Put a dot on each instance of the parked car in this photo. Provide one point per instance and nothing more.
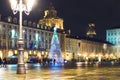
(12, 59)
(33, 60)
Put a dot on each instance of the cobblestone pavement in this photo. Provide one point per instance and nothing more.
(58, 73)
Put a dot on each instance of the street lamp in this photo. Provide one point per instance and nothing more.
(20, 6)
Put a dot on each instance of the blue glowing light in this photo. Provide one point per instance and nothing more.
(36, 36)
(13, 33)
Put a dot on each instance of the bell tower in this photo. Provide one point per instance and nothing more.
(91, 31)
(51, 19)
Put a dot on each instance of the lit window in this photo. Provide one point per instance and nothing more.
(36, 36)
(45, 27)
(38, 26)
(111, 33)
(41, 26)
(108, 39)
(111, 39)
(119, 40)
(25, 30)
(9, 19)
(108, 34)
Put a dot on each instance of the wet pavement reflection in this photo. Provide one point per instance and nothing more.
(61, 73)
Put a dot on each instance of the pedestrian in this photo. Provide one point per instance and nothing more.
(39, 60)
(0, 62)
(54, 61)
(4, 62)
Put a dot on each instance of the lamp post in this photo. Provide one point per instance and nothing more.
(20, 6)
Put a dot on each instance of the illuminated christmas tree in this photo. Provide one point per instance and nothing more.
(55, 50)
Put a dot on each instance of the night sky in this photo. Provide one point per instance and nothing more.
(76, 14)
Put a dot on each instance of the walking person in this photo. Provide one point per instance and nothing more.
(4, 62)
(54, 60)
(1, 62)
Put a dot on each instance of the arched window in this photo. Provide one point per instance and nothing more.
(25, 22)
(118, 40)
(29, 23)
(14, 20)
(38, 26)
(114, 40)
(34, 24)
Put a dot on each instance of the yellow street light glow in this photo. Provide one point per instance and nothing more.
(79, 54)
(93, 55)
(96, 55)
(106, 55)
(100, 55)
(84, 55)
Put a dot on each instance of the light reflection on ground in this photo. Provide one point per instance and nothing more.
(57, 73)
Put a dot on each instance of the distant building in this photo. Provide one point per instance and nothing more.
(113, 36)
(91, 31)
(87, 48)
(37, 39)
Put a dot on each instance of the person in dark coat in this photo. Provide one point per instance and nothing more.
(0, 62)
(54, 60)
(4, 62)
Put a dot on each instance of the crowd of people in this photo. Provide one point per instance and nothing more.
(3, 62)
(46, 61)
